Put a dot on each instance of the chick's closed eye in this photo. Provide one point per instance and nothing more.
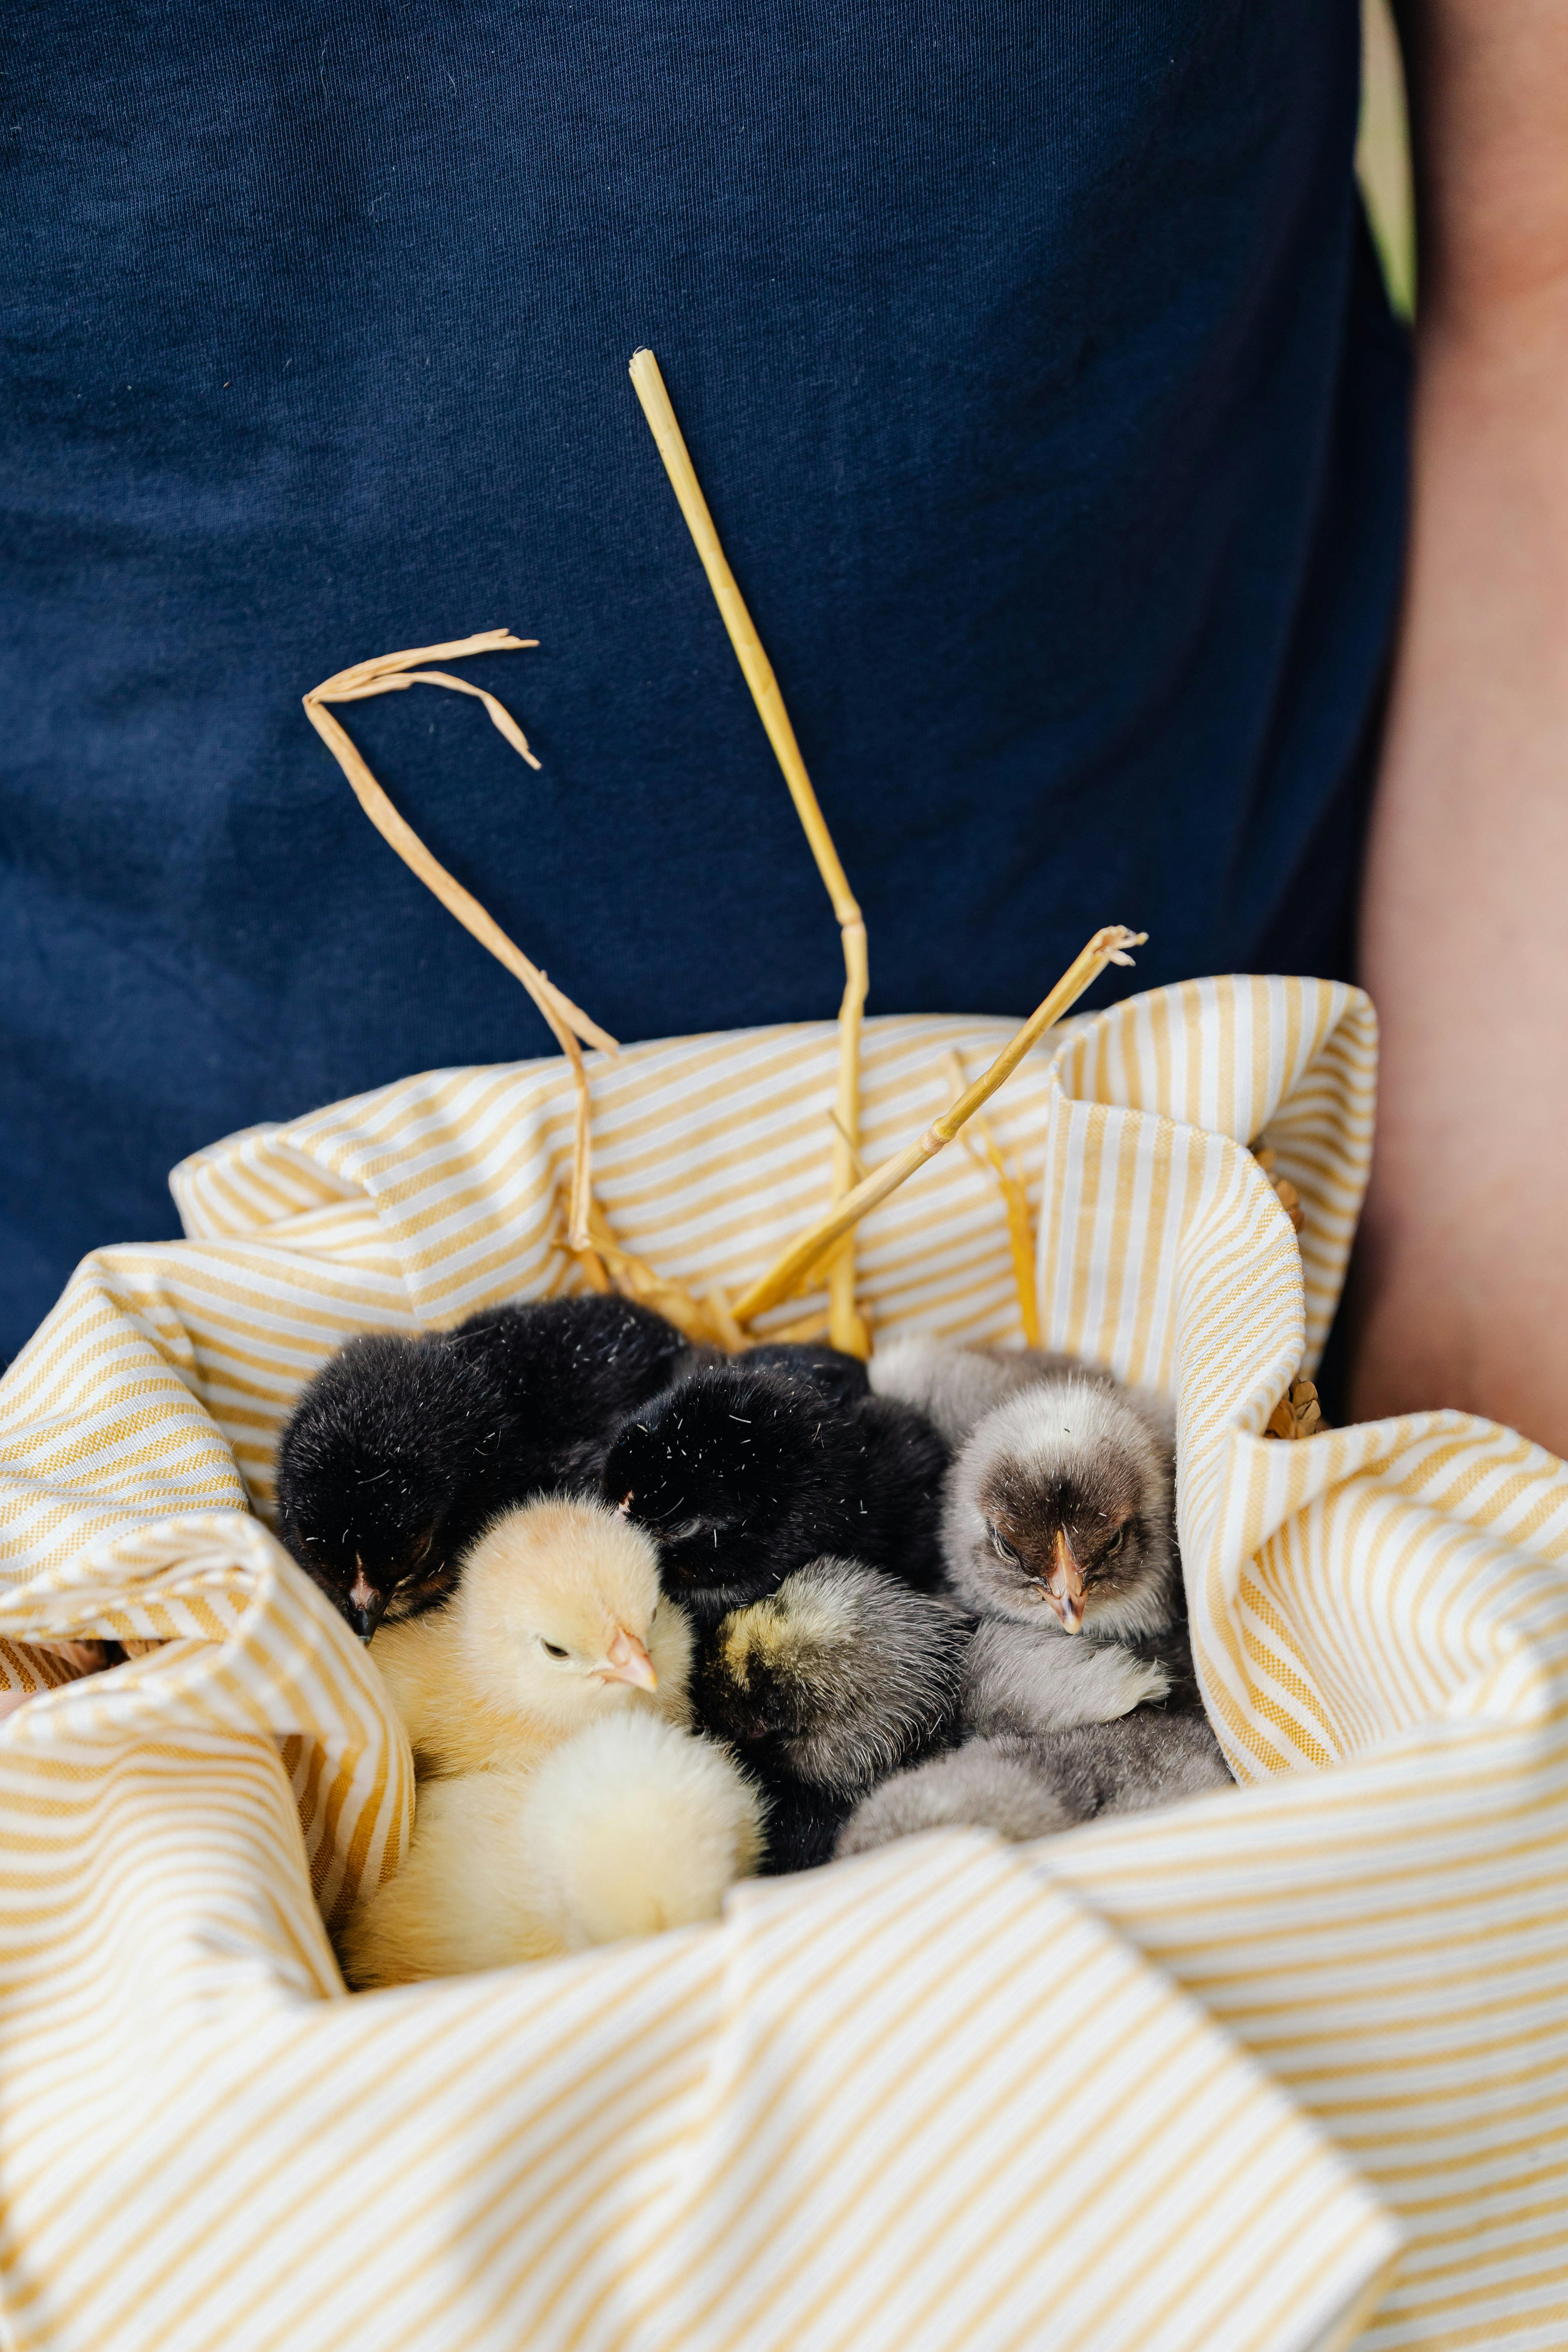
(683, 1530)
(555, 1621)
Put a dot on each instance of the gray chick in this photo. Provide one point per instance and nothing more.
(988, 1784)
(1059, 1534)
(1059, 1530)
(1026, 1789)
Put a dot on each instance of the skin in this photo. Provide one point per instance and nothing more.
(1463, 1268)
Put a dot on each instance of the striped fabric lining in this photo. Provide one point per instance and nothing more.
(1281, 2068)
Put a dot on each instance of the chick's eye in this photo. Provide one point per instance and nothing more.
(1000, 1544)
(682, 1530)
(1117, 1541)
(550, 1649)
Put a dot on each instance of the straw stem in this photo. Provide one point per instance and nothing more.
(987, 1155)
(786, 1276)
(389, 673)
(847, 1326)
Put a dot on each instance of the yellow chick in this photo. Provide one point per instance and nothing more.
(630, 1827)
(556, 1622)
(561, 1802)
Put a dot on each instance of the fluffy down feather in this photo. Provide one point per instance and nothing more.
(955, 1387)
(631, 1827)
(635, 1827)
(1133, 1766)
(1032, 1679)
(744, 1475)
(1026, 1789)
(990, 1784)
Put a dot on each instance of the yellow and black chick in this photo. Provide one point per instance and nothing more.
(744, 1474)
(838, 1677)
(560, 1802)
(400, 1450)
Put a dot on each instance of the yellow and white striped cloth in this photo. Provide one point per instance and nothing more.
(1286, 2068)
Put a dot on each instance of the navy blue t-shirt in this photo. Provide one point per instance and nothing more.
(1040, 385)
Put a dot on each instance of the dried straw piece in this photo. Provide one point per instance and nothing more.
(788, 1273)
(1297, 1415)
(1289, 1199)
(847, 1326)
(706, 1321)
(389, 673)
(855, 1162)
(806, 1328)
(987, 1153)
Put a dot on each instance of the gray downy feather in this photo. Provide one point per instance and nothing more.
(1026, 1789)
(990, 1784)
(1133, 1766)
(1031, 1680)
(874, 1664)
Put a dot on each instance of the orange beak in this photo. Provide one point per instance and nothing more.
(1064, 1586)
(628, 1661)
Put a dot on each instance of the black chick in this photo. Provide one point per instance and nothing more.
(743, 1475)
(823, 1688)
(400, 1450)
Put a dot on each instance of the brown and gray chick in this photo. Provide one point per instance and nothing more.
(1059, 1533)
(1061, 1507)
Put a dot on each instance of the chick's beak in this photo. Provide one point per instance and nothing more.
(626, 1661)
(367, 1605)
(1064, 1586)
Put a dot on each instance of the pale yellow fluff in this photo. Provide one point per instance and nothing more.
(630, 1827)
(476, 1682)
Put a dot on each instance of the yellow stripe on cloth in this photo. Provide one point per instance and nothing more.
(1260, 2074)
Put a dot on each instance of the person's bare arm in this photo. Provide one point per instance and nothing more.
(1463, 1280)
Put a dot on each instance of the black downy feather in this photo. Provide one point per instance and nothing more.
(744, 1474)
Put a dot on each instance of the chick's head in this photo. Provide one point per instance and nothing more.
(716, 1467)
(559, 1609)
(374, 1462)
(1060, 1507)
